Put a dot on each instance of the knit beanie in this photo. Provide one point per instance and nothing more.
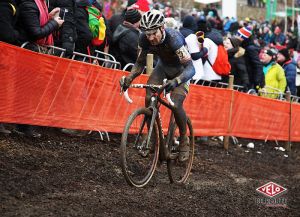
(132, 16)
(244, 33)
(272, 52)
(203, 26)
(235, 41)
(189, 22)
(285, 53)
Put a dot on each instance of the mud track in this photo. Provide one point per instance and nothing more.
(57, 175)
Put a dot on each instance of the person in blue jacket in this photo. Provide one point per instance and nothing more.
(290, 69)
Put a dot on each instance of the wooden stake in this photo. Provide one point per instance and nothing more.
(230, 87)
(288, 143)
(149, 68)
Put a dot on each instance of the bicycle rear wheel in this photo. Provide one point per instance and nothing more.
(179, 171)
(138, 155)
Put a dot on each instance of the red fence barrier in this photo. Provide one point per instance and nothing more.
(46, 90)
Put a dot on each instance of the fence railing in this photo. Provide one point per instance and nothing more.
(100, 58)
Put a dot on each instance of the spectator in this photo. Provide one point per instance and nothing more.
(211, 19)
(234, 26)
(254, 66)
(236, 56)
(118, 19)
(96, 9)
(126, 37)
(189, 27)
(278, 38)
(8, 33)
(212, 39)
(104, 47)
(261, 3)
(253, 3)
(84, 35)
(230, 25)
(210, 32)
(8, 19)
(66, 36)
(36, 25)
(212, 53)
(170, 22)
(291, 40)
(266, 35)
(274, 75)
(290, 69)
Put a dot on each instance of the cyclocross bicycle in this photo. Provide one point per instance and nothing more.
(144, 142)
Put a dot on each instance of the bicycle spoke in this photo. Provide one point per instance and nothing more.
(179, 171)
(139, 156)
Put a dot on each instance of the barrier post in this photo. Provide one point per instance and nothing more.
(288, 99)
(149, 68)
(230, 87)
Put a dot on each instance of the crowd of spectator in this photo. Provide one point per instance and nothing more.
(261, 55)
(257, 3)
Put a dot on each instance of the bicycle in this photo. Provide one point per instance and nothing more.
(143, 142)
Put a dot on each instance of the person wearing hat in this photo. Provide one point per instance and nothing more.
(195, 48)
(290, 69)
(126, 37)
(253, 64)
(237, 61)
(118, 18)
(291, 40)
(274, 74)
(278, 38)
(203, 25)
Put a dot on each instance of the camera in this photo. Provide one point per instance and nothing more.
(62, 13)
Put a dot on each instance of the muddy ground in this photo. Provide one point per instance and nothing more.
(57, 175)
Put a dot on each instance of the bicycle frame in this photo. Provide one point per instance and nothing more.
(148, 119)
(155, 103)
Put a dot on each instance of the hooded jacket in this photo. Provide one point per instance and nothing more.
(125, 40)
(238, 66)
(275, 80)
(254, 66)
(290, 70)
(84, 35)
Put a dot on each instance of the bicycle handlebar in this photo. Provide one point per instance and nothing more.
(152, 86)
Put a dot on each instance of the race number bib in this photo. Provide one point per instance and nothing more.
(183, 54)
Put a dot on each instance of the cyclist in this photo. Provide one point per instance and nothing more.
(174, 63)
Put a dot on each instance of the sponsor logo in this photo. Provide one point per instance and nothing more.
(271, 189)
(273, 192)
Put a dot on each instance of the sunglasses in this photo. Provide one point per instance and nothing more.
(200, 36)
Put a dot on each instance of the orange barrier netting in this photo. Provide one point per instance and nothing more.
(46, 90)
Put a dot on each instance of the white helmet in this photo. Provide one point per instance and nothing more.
(152, 19)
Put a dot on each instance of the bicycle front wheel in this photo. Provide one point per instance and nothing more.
(179, 171)
(139, 148)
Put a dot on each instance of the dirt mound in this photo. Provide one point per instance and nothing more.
(57, 175)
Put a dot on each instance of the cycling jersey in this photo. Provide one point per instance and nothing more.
(171, 52)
